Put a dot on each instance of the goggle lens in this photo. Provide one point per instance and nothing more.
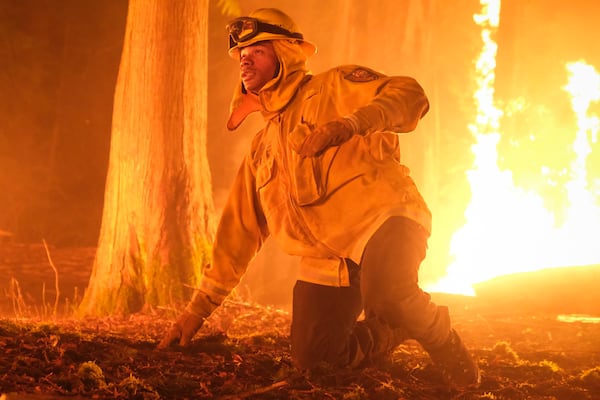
(243, 29)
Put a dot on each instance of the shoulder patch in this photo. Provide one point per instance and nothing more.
(361, 75)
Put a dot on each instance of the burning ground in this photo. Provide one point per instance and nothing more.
(242, 352)
(524, 349)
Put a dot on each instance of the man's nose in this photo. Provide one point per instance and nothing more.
(245, 60)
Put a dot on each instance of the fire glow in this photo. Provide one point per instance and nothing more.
(508, 229)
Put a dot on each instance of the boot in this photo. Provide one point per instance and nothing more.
(376, 341)
(457, 366)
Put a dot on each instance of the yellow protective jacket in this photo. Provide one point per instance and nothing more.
(323, 209)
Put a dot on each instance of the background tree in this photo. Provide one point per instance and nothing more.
(56, 93)
(158, 217)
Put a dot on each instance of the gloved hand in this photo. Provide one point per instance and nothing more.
(333, 133)
(182, 330)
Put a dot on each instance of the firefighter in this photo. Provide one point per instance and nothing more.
(323, 178)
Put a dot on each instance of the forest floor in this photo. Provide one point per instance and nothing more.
(242, 352)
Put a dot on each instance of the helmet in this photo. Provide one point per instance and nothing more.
(264, 24)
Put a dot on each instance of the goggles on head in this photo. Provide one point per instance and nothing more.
(245, 28)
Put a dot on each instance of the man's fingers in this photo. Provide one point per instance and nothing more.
(171, 337)
(189, 327)
(164, 343)
(332, 133)
(186, 335)
(185, 339)
(182, 331)
(314, 143)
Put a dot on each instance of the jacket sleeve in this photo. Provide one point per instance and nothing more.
(389, 103)
(240, 234)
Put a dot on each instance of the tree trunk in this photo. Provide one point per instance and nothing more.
(158, 218)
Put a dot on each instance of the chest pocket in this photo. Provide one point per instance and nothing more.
(310, 181)
(265, 168)
(308, 174)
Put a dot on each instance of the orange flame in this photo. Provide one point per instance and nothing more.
(508, 228)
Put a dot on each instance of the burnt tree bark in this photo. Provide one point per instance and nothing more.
(158, 218)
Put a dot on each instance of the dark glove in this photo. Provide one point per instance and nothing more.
(182, 330)
(332, 133)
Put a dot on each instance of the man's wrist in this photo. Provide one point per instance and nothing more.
(353, 122)
(369, 118)
(200, 304)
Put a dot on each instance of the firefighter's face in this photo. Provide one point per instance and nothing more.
(258, 65)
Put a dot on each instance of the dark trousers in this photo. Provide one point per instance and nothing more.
(385, 284)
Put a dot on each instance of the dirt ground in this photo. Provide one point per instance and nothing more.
(242, 352)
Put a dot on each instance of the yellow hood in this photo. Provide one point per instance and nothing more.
(277, 93)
